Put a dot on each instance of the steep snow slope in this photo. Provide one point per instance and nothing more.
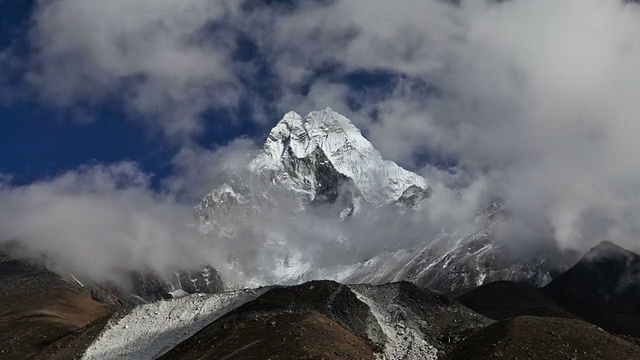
(381, 182)
(353, 156)
(459, 259)
(322, 158)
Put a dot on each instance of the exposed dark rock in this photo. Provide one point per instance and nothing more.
(543, 338)
(603, 288)
(442, 321)
(503, 299)
(331, 299)
(305, 335)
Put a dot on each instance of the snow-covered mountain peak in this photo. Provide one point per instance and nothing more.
(319, 202)
(381, 182)
(334, 131)
(288, 133)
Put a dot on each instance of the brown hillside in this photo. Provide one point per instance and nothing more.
(308, 335)
(529, 337)
(29, 322)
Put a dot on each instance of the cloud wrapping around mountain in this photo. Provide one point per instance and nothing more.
(99, 222)
(535, 102)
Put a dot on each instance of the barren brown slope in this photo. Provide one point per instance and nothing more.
(308, 335)
(29, 322)
(503, 299)
(37, 307)
(529, 337)
(74, 345)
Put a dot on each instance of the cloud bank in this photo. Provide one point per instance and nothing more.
(100, 222)
(531, 102)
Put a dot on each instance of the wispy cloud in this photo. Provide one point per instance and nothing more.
(99, 221)
(534, 102)
(167, 61)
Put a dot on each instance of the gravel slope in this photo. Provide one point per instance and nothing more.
(150, 330)
(528, 337)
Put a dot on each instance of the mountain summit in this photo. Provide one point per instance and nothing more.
(312, 172)
(320, 159)
(318, 201)
(604, 288)
(336, 138)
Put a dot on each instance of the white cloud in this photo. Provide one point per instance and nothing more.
(535, 100)
(199, 170)
(101, 222)
(158, 55)
(538, 97)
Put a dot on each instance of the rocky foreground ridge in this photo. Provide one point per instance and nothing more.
(45, 317)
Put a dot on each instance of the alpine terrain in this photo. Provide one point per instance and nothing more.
(326, 253)
(42, 316)
(366, 216)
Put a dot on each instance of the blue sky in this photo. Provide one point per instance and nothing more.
(42, 139)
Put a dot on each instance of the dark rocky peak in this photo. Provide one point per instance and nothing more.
(148, 286)
(504, 299)
(607, 250)
(604, 273)
(604, 288)
(528, 337)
